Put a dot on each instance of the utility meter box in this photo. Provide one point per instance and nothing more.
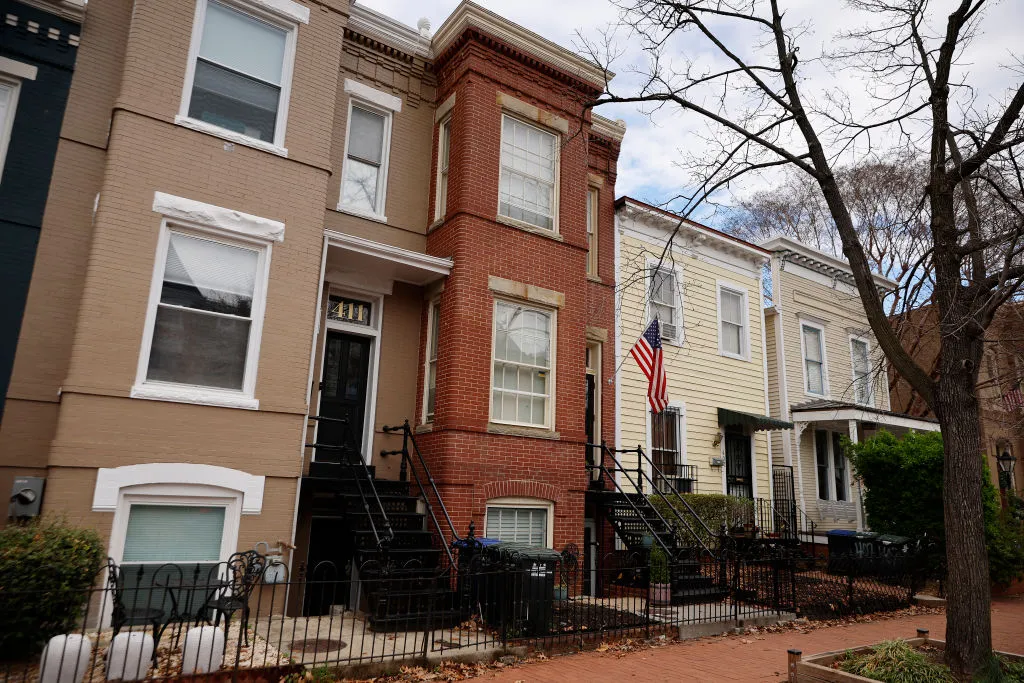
(26, 497)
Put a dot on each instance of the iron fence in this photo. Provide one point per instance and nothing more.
(344, 616)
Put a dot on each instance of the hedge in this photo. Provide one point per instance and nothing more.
(714, 508)
(46, 568)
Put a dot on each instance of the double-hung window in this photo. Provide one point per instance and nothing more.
(592, 213)
(434, 326)
(663, 288)
(444, 143)
(732, 313)
(365, 173)
(518, 523)
(814, 359)
(861, 358)
(529, 172)
(831, 465)
(523, 355)
(8, 104)
(240, 75)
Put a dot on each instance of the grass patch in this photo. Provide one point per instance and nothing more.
(894, 661)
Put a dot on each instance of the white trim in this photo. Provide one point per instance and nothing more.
(378, 213)
(594, 214)
(373, 24)
(111, 480)
(229, 135)
(446, 120)
(373, 333)
(373, 96)
(283, 14)
(743, 292)
(556, 185)
(864, 415)
(21, 70)
(803, 321)
(853, 370)
(549, 423)
(782, 243)
(188, 393)
(650, 265)
(618, 294)
(519, 502)
(434, 264)
(432, 303)
(8, 127)
(213, 216)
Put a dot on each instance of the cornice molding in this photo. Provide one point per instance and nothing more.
(469, 15)
(605, 127)
(72, 10)
(384, 29)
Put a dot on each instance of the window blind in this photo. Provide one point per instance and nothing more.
(173, 533)
(520, 525)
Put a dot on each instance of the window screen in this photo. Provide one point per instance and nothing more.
(522, 525)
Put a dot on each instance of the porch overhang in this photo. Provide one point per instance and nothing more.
(837, 411)
(758, 423)
(376, 266)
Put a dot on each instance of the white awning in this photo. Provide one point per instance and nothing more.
(377, 266)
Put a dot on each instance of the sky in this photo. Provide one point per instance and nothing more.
(655, 143)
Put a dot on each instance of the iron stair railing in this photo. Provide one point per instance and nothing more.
(409, 464)
(638, 488)
(382, 538)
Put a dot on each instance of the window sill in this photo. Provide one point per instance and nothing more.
(669, 342)
(377, 217)
(529, 227)
(522, 430)
(424, 428)
(195, 395)
(594, 278)
(734, 356)
(435, 225)
(231, 136)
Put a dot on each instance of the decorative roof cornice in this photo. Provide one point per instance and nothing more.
(796, 252)
(605, 127)
(71, 10)
(388, 32)
(468, 16)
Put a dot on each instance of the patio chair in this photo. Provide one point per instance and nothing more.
(244, 572)
(129, 612)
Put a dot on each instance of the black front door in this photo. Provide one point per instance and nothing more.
(593, 452)
(738, 471)
(343, 393)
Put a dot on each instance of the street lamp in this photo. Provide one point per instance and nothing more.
(1005, 463)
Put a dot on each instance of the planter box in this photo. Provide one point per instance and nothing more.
(819, 667)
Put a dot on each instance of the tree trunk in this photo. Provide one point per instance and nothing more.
(968, 619)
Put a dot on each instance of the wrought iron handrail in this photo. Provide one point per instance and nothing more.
(407, 462)
(678, 473)
(383, 542)
(638, 486)
(656, 471)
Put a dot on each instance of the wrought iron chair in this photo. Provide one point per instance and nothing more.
(244, 572)
(130, 613)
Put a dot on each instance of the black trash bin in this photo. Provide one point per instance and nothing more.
(518, 588)
(849, 552)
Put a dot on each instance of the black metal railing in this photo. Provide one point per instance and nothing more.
(499, 599)
(671, 477)
(408, 464)
(351, 458)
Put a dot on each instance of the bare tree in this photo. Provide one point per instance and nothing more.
(762, 115)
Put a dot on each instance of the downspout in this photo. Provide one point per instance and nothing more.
(767, 402)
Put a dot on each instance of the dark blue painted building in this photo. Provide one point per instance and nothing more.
(37, 58)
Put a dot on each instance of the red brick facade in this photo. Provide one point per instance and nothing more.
(471, 462)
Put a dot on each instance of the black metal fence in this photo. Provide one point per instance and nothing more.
(488, 602)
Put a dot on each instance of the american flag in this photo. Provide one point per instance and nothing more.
(1014, 398)
(650, 357)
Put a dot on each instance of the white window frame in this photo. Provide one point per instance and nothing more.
(378, 214)
(743, 293)
(8, 128)
(443, 172)
(831, 469)
(593, 225)
(854, 339)
(433, 312)
(652, 267)
(284, 14)
(556, 190)
(549, 423)
(519, 502)
(826, 391)
(680, 407)
(233, 229)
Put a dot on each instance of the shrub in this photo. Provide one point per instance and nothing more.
(893, 661)
(659, 565)
(714, 508)
(903, 478)
(46, 568)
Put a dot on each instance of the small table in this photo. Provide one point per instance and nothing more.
(190, 599)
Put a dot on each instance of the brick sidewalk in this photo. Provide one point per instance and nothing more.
(748, 658)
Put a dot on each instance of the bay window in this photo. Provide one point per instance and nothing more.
(529, 172)
(523, 354)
